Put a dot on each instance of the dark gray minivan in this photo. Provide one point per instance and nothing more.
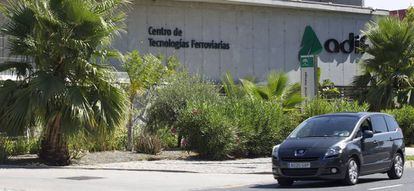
(340, 146)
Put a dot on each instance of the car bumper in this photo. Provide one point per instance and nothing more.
(320, 169)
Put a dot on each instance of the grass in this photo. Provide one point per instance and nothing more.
(410, 157)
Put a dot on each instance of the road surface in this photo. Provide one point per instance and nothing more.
(18, 179)
(379, 182)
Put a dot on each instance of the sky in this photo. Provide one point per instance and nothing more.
(389, 4)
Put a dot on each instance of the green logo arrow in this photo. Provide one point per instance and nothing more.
(310, 43)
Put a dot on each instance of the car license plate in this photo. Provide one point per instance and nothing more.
(299, 165)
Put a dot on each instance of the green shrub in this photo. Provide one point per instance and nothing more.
(405, 118)
(168, 138)
(290, 121)
(102, 140)
(322, 106)
(105, 140)
(12, 146)
(236, 127)
(207, 129)
(79, 145)
(148, 143)
(174, 96)
(24, 145)
(258, 122)
(4, 142)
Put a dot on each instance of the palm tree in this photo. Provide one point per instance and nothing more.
(230, 88)
(65, 84)
(388, 66)
(277, 88)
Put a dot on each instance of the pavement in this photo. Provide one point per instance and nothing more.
(378, 182)
(178, 175)
(37, 179)
(243, 166)
(409, 151)
(44, 179)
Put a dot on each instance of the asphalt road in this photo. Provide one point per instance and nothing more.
(379, 182)
(132, 180)
(118, 180)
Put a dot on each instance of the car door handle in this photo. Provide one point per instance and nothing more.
(375, 142)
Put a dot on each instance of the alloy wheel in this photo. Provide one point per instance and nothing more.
(353, 171)
(398, 165)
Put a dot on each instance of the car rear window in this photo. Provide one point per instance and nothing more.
(378, 124)
(391, 123)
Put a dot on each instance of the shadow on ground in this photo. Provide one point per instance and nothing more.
(315, 184)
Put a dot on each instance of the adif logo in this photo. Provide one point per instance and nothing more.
(310, 44)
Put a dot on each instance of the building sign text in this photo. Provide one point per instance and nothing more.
(180, 43)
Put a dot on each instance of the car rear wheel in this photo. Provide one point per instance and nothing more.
(352, 172)
(285, 182)
(397, 169)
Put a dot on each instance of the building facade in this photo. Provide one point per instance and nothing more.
(249, 38)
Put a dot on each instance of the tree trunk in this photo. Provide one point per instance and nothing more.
(130, 126)
(54, 149)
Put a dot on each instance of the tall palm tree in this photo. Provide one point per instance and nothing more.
(65, 84)
(277, 88)
(388, 66)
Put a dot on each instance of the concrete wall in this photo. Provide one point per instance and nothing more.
(261, 38)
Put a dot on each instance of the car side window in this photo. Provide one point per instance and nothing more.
(378, 124)
(391, 123)
(365, 126)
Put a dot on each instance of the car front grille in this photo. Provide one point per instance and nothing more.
(300, 172)
(300, 159)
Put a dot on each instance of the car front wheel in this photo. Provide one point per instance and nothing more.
(352, 172)
(397, 169)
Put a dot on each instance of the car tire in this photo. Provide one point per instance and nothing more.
(352, 172)
(285, 182)
(397, 168)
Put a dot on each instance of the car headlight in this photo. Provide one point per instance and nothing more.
(275, 152)
(333, 151)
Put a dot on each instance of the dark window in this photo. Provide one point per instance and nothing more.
(378, 123)
(365, 126)
(391, 123)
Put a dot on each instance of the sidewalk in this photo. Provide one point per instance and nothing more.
(409, 151)
(244, 166)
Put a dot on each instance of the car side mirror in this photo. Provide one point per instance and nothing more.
(367, 134)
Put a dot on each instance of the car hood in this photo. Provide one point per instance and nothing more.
(314, 146)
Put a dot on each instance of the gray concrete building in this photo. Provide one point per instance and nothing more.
(249, 37)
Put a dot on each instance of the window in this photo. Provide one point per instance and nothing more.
(365, 126)
(391, 123)
(378, 123)
(326, 126)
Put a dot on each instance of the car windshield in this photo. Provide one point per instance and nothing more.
(326, 126)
